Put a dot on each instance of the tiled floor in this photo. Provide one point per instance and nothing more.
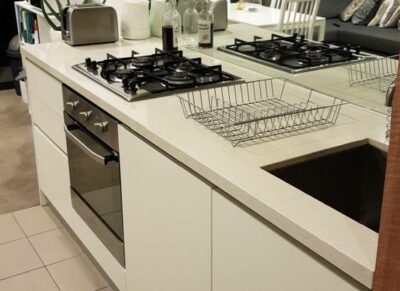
(37, 254)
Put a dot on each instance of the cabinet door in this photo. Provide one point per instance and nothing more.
(167, 220)
(53, 173)
(250, 254)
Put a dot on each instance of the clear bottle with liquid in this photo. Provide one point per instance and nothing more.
(171, 26)
(206, 25)
(190, 24)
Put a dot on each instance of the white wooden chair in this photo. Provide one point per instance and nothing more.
(298, 16)
(276, 4)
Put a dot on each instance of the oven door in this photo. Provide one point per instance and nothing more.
(96, 186)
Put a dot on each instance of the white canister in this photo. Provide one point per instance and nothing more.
(135, 19)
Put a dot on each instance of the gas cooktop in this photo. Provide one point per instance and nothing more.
(294, 54)
(150, 76)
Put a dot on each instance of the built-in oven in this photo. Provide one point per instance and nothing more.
(93, 157)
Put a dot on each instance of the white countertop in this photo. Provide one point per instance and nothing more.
(262, 16)
(237, 170)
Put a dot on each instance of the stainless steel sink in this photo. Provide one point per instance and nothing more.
(349, 180)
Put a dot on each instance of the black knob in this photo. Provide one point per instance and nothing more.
(88, 62)
(295, 35)
(93, 66)
(302, 37)
(132, 85)
(125, 83)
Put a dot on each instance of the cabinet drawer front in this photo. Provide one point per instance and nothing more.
(48, 121)
(45, 87)
(52, 168)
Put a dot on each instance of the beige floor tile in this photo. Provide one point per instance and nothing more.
(9, 229)
(54, 246)
(37, 280)
(34, 220)
(53, 216)
(104, 289)
(77, 273)
(17, 257)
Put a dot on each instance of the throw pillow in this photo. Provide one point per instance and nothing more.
(366, 12)
(348, 12)
(378, 16)
(392, 14)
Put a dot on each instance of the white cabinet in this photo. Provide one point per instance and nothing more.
(167, 215)
(52, 169)
(250, 254)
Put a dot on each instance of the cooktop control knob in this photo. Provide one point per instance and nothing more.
(88, 62)
(71, 105)
(93, 66)
(101, 126)
(84, 115)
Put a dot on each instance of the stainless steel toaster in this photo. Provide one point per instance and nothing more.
(218, 7)
(89, 24)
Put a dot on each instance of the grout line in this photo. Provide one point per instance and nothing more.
(27, 235)
(12, 276)
(14, 240)
(44, 265)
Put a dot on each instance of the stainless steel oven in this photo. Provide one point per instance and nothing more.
(93, 157)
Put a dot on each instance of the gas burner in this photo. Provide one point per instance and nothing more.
(116, 76)
(273, 56)
(141, 62)
(180, 79)
(246, 48)
(208, 79)
(182, 67)
(293, 54)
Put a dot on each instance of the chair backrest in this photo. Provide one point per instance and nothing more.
(298, 16)
(275, 4)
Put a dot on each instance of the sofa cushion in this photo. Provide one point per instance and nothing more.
(366, 12)
(391, 15)
(383, 40)
(332, 9)
(381, 11)
(349, 11)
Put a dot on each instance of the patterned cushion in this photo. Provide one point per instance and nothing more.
(391, 15)
(378, 16)
(366, 12)
(348, 12)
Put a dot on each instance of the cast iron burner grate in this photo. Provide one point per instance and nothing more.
(294, 53)
(141, 77)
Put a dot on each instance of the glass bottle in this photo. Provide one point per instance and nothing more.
(190, 24)
(169, 28)
(177, 22)
(206, 25)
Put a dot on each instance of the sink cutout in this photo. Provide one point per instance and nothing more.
(349, 179)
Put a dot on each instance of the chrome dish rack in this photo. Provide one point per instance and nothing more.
(377, 74)
(260, 110)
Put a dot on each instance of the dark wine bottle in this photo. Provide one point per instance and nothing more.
(206, 25)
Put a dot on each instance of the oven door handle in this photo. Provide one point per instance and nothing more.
(92, 154)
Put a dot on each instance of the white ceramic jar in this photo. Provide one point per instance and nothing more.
(135, 19)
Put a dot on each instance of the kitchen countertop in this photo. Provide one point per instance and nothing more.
(237, 170)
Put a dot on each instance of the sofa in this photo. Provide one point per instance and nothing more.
(385, 41)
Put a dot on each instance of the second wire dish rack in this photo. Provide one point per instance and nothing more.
(260, 109)
(377, 73)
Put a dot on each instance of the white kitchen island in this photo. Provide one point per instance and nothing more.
(200, 214)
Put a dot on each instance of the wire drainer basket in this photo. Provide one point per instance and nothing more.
(261, 109)
(377, 73)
